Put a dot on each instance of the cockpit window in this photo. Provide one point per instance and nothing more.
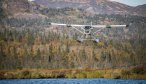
(87, 27)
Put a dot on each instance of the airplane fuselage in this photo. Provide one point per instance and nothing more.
(87, 31)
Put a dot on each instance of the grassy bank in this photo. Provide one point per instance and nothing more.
(73, 73)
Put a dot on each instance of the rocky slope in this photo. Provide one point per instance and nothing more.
(24, 8)
(20, 9)
(140, 10)
(95, 6)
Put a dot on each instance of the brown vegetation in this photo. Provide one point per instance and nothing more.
(72, 73)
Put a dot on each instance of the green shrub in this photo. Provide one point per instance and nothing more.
(80, 75)
(94, 74)
(26, 74)
(138, 70)
(126, 72)
(9, 75)
(2, 74)
(69, 76)
(35, 75)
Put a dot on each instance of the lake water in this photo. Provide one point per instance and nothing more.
(72, 81)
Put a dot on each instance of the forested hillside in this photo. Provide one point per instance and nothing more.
(34, 44)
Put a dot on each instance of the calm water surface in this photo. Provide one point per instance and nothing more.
(72, 81)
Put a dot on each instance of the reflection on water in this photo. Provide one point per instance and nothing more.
(72, 81)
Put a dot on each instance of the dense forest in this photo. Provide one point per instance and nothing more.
(34, 44)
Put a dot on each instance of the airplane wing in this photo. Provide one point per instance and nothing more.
(68, 25)
(57, 24)
(94, 26)
(109, 26)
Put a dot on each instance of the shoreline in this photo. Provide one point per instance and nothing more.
(71, 74)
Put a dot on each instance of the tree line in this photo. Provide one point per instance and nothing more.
(32, 44)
